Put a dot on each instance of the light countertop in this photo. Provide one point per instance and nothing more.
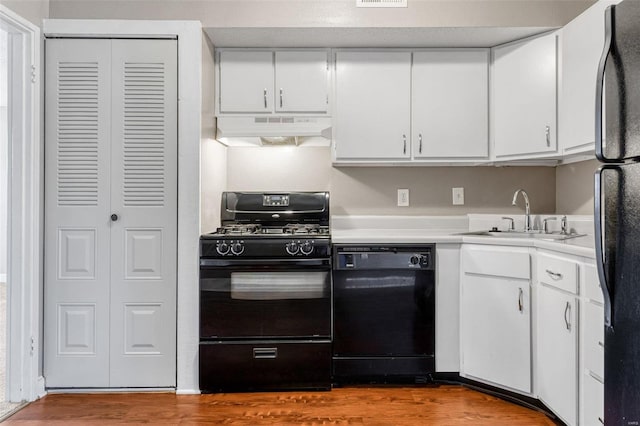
(395, 230)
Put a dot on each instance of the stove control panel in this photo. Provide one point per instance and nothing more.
(271, 248)
(299, 248)
(270, 200)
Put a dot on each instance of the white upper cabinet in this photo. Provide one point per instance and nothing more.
(264, 81)
(582, 41)
(524, 98)
(246, 81)
(450, 104)
(302, 81)
(372, 117)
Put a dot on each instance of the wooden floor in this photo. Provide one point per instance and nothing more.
(444, 405)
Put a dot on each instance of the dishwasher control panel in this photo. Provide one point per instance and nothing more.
(384, 257)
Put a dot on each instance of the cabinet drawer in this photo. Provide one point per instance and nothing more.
(592, 284)
(593, 401)
(506, 262)
(558, 272)
(265, 365)
(594, 339)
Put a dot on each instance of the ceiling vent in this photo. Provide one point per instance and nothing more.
(381, 3)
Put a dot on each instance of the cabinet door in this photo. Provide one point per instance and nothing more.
(496, 330)
(373, 106)
(450, 104)
(582, 41)
(246, 81)
(301, 81)
(524, 97)
(557, 348)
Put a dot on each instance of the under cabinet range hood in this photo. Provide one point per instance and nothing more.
(274, 130)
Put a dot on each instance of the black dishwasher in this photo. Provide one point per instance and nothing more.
(383, 313)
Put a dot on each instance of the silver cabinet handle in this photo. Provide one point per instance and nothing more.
(281, 97)
(567, 310)
(547, 132)
(554, 275)
(114, 217)
(265, 353)
(600, 420)
(600, 260)
(420, 143)
(265, 97)
(600, 83)
(601, 344)
(404, 149)
(520, 300)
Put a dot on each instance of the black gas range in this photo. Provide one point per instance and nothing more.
(259, 225)
(265, 294)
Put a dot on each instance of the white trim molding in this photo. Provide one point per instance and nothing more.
(189, 34)
(24, 265)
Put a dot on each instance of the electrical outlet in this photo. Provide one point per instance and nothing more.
(403, 198)
(458, 196)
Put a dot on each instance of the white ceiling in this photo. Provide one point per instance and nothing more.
(369, 37)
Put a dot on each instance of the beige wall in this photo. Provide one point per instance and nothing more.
(331, 13)
(32, 10)
(372, 190)
(574, 187)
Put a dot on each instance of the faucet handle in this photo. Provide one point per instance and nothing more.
(512, 226)
(544, 224)
(563, 225)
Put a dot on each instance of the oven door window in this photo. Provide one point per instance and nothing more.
(264, 304)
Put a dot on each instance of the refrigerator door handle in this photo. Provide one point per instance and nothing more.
(600, 87)
(599, 243)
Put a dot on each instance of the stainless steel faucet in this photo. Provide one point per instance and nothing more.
(527, 210)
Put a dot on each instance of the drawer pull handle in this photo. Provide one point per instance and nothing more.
(554, 275)
(600, 420)
(567, 309)
(265, 353)
(601, 344)
(520, 301)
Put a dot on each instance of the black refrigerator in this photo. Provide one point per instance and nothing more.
(617, 210)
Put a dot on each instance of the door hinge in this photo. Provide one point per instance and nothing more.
(33, 346)
(33, 73)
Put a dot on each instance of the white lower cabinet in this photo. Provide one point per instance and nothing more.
(593, 402)
(557, 349)
(592, 350)
(496, 317)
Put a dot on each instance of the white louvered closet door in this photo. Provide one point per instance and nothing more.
(77, 126)
(111, 148)
(144, 196)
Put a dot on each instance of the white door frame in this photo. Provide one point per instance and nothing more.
(24, 263)
(189, 34)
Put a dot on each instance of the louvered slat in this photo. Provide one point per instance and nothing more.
(77, 134)
(144, 134)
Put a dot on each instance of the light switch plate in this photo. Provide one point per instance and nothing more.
(458, 196)
(403, 198)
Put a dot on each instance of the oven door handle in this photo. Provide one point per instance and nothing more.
(234, 262)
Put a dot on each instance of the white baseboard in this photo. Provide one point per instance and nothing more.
(108, 390)
(187, 391)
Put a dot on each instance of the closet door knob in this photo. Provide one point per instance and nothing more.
(114, 217)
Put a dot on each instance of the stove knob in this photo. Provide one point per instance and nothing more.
(237, 248)
(292, 248)
(415, 259)
(222, 248)
(306, 248)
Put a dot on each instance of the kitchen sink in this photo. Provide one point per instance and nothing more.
(522, 234)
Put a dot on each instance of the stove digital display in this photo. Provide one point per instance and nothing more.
(270, 200)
